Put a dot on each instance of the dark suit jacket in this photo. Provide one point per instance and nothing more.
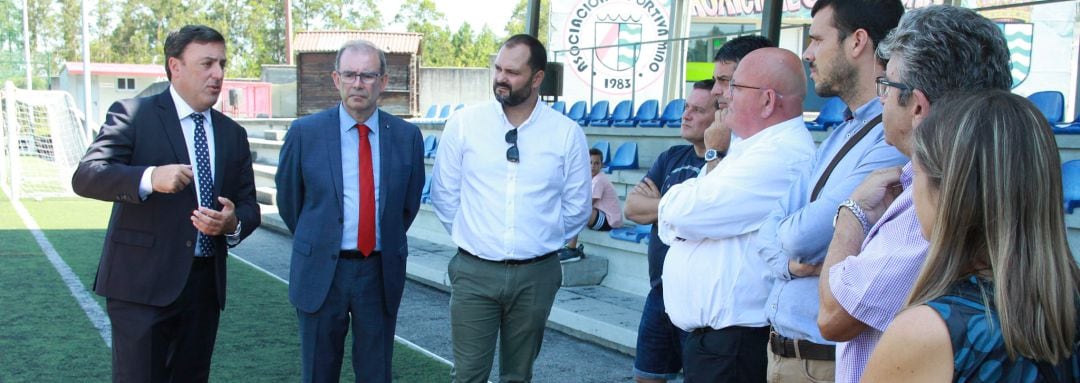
(309, 199)
(149, 245)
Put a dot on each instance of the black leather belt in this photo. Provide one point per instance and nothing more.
(356, 254)
(511, 261)
(801, 349)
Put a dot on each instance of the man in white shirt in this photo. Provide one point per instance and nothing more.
(511, 184)
(714, 286)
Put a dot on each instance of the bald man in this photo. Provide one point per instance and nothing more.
(715, 286)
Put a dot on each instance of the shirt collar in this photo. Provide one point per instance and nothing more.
(534, 115)
(183, 110)
(346, 122)
(907, 175)
(867, 111)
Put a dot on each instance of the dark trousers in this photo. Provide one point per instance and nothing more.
(167, 344)
(731, 354)
(356, 295)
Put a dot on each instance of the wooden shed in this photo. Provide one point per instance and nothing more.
(315, 55)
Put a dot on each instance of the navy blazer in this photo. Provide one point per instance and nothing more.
(148, 247)
(309, 200)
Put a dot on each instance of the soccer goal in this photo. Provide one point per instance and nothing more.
(43, 138)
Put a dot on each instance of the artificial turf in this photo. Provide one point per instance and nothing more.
(46, 336)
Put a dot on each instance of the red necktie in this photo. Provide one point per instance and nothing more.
(365, 238)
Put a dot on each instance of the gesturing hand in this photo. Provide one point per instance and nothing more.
(212, 222)
(171, 178)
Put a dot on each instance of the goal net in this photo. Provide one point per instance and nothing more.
(43, 139)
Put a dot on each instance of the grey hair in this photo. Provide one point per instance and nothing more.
(362, 45)
(945, 49)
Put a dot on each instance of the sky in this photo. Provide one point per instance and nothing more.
(494, 13)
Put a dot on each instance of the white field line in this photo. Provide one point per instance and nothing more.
(404, 341)
(78, 290)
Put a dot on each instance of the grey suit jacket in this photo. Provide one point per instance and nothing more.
(149, 244)
(309, 199)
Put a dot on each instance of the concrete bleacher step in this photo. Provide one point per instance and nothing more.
(597, 314)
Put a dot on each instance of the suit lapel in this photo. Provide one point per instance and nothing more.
(221, 144)
(386, 144)
(171, 123)
(333, 151)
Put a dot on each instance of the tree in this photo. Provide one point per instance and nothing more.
(336, 14)
(516, 24)
(421, 16)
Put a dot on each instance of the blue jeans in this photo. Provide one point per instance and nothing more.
(659, 342)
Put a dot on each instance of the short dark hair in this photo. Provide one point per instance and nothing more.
(876, 17)
(179, 39)
(705, 84)
(735, 49)
(595, 152)
(537, 52)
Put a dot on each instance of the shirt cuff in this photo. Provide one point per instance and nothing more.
(146, 185)
(233, 239)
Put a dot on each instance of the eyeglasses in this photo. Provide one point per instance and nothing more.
(367, 78)
(732, 85)
(883, 85)
(512, 153)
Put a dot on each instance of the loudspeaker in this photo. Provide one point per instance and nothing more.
(552, 84)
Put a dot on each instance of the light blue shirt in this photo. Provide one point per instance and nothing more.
(801, 230)
(350, 175)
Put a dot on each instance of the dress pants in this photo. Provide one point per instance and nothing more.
(167, 344)
(490, 301)
(357, 294)
(783, 370)
(731, 354)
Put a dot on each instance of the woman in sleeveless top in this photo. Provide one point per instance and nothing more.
(997, 298)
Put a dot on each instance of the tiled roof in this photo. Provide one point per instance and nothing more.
(155, 70)
(331, 41)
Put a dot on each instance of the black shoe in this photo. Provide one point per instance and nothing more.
(571, 255)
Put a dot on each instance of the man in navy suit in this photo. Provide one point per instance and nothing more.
(348, 187)
(180, 179)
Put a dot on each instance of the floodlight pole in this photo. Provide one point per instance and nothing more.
(87, 114)
(26, 43)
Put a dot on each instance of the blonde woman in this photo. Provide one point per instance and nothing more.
(997, 298)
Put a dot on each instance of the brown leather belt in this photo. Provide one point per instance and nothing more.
(356, 254)
(800, 349)
(511, 261)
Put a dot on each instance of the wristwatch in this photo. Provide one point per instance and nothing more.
(713, 155)
(855, 210)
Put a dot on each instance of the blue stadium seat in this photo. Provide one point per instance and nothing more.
(646, 112)
(598, 115)
(672, 109)
(559, 106)
(459, 106)
(623, 115)
(431, 110)
(1051, 103)
(1069, 127)
(605, 149)
(672, 116)
(577, 111)
(831, 114)
(431, 143)
(425, 195)
(625, 158)
(444, 113)
(1070, 182)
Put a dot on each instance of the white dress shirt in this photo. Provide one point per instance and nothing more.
(711, 277)
(497, 209)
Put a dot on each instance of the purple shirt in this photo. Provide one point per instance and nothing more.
(873, 286)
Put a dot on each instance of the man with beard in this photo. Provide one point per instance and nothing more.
(511, 184)
(795, 236)
(349, 183)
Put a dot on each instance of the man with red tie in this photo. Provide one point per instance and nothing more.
(348, 187)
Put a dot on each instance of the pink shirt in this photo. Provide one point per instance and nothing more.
(605, 199)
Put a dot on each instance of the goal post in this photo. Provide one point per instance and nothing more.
(44, 138)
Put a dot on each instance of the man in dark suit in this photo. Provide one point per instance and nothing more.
(348, 187)
(179, 174)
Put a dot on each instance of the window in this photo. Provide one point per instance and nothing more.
(125, 84)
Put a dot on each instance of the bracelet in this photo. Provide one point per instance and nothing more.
(856, 211)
